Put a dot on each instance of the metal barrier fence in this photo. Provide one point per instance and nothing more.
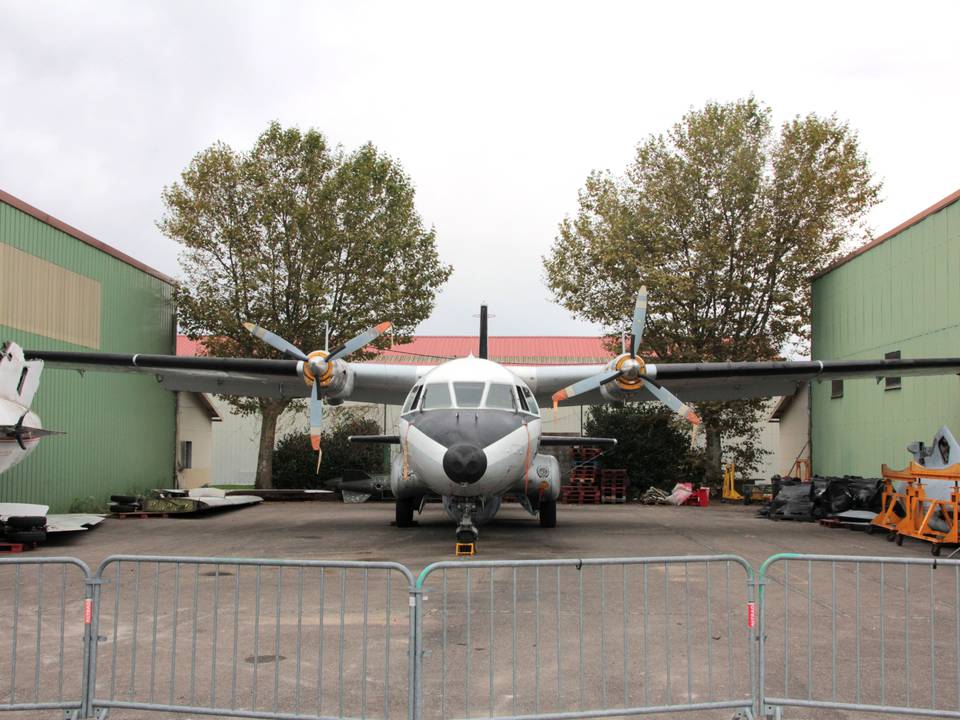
(585, 638)
(44, 659)
(524, 639)
(254, 638)
(874, 635)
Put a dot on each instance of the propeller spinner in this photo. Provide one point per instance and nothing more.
(631, 371)
(317, 368)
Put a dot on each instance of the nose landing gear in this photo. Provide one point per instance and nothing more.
(464, 510)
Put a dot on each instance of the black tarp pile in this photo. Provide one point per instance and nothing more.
(822, 497)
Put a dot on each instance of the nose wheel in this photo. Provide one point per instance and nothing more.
(465, 509)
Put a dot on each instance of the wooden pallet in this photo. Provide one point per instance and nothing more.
(129, 515)
(6, 547)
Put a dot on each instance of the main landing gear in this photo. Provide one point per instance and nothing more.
(548, 513)
(404, 510)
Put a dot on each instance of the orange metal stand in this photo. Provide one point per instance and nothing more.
(921, 510)
(889, 518)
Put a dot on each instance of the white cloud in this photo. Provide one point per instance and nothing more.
(497, 110)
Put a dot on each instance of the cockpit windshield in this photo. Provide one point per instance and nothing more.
(468, 394)
(500, 397)
(436, 396)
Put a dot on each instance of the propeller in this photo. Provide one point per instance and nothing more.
(631, 371)
(317, 368)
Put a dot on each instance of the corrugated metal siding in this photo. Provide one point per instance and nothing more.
(903, 294)
(120, 428)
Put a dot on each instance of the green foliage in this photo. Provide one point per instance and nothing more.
(652, 444)
(89, 505)
(295, 462)
(724, 218)
(291, 235)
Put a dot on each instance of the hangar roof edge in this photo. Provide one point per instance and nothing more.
(936, 207)
(83, 237)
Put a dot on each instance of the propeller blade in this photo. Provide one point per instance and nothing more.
(585, 385)
(639, 320)
(672, 401)
(275, 341)
(360, 341)
(316, 417)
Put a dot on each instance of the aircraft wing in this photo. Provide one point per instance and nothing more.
(371, 382)
(696, 382)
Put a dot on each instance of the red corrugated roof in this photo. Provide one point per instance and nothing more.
(81, 236)
(521, 350)
(936, 207)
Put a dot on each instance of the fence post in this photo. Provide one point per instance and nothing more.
(757, 584)
(416, 652)
(91, 636)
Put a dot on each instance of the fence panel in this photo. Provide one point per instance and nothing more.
(585, 638)
(42, 650)
(255, 638)
(870, 634)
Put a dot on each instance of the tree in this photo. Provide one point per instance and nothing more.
(295, 462)
(724, 218)
(652, 444)
(294, 234)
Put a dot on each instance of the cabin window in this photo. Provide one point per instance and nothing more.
(892, 383)
(500, 397)
(436, 396)
(412, 398)
(522, 399)
(531, 401)
(468, 394)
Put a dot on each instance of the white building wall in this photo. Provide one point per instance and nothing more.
(194, 426)
(794, 432)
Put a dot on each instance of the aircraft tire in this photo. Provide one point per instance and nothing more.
(26, 522)
(125, 499)
(120, 509)
(404, 509)
(27, 536)
(548, 513)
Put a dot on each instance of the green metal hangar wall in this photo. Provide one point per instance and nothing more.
(61, 289)
(899, 294)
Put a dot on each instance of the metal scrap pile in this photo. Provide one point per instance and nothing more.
(655, 496)
(822, 497)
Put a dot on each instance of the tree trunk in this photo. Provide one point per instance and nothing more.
(270, 411)
(712, 466)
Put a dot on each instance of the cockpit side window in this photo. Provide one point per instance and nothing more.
(468, 394)
(499, 397)
(436, 396)
(412, 399)
(531, 401)
(522, 399)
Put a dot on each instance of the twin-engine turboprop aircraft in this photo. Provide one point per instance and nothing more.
(470, 428)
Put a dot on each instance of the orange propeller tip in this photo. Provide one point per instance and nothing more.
(315, 442)
(384, 326)
(693, 418)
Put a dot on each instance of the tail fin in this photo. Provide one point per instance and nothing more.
(19, 379)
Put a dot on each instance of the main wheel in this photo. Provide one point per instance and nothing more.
(935, 549)
(899, 539)
(548, 513)
(405, 508)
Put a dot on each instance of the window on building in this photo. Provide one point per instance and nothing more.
(836, 388)
(186, 454)
(892, 383)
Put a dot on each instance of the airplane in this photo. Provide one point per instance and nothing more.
(20, 428)
(470, 429)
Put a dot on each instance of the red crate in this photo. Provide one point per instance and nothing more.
(699, 498)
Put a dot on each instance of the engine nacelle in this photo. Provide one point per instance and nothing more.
(404, 487)
(543, 478)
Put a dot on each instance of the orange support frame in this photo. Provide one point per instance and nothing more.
(888, 518)
(920, 510)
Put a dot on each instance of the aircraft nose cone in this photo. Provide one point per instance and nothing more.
(464, 463)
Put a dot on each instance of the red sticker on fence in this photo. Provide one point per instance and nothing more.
(751, 615)
(87, 611)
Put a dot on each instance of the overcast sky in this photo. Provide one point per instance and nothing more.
(498, 111)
